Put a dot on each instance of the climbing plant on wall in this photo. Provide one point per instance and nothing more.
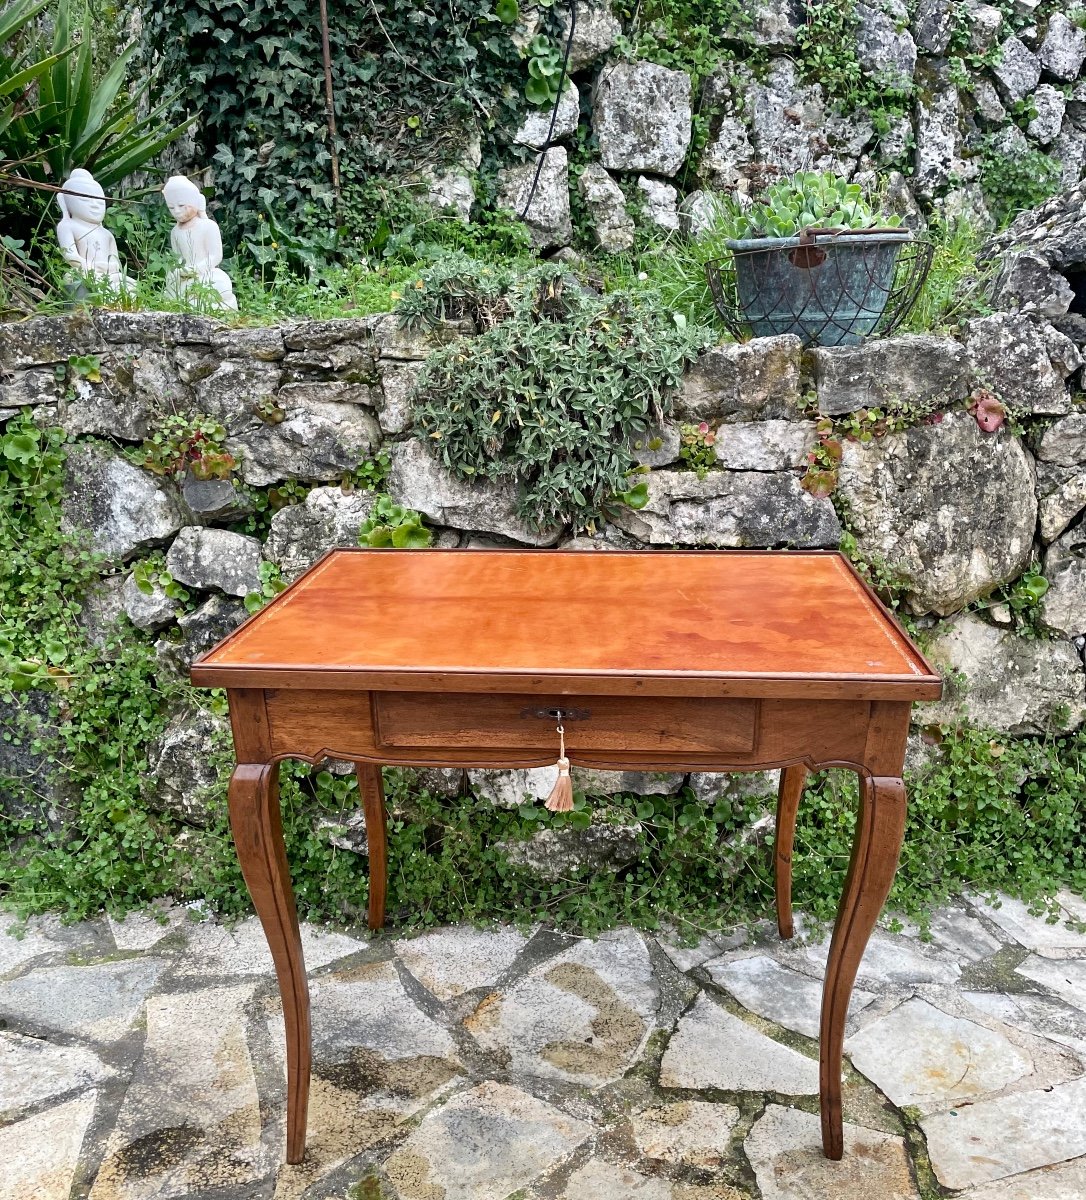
(410, 81)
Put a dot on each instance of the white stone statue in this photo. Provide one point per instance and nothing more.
(197, 243)
(85, 242)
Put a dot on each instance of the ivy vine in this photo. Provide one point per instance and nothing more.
(412, 83)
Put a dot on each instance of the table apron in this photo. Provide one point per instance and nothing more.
(607, 732)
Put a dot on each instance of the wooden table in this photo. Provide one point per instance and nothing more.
(656, 661)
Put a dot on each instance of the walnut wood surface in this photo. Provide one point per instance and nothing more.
(788, 798)
(373, 809)
(503, 618)
(258, 835)
(880, 828)
(369, 658)
(410, 720)
(340, 724)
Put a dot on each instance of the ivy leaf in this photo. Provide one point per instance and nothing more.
(507, 11)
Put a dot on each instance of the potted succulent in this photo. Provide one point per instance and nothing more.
(813, 258)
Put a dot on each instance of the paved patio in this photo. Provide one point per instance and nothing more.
(143, 1059)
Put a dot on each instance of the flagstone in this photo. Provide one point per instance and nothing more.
(144, 930)
(1067, 1181)
(692, 1133)
(606, 1181)
(686, 958)
(378, 1059)
(1073, 903)
(367, 1008)
(919, 1055)
(891, 959)
(483, 1144)
(99, 1001)
(190, 1120)
(17, 951)
(1049, 939)
(583, 1016)
(450, 962)
(991, 1139)
(785, 1149)
(341, 1125)
(1067, 977)
(214, 949)
(711, 1048)
(777, 993)
(1042, 1016)
(954, 930)
(32, 1070)
(40, 1154)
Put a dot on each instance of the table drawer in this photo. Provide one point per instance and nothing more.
(695, 725)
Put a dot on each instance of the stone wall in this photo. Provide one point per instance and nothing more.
(973, 85)
(951, 511)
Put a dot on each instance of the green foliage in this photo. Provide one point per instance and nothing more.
(544, 71)
(105, 707)
(60, 109)
(1015, 182)
(697, 447)
(151, 572)
(823, 461)
(692, 36)
(373, 472)
(186, 444)
(827, 55)
(1023, 597)
(409, 80)
(266, 502)
(883, 578)
(985, 813)
(957, 283)
(553, 395)
(271, 584)
(674, 267)
(22, 60)
(390, 524)
(809, 200)
(458, 288)
(36, 572)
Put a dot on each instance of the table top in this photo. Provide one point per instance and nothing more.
(652, 622)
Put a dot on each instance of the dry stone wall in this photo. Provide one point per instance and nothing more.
(969, 90)
(952, 512)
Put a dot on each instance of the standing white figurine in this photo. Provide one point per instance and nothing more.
(197, 243)
(84, 241)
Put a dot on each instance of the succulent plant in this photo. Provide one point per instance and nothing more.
(810, 200)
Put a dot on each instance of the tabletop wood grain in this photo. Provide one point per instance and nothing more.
(503, 616)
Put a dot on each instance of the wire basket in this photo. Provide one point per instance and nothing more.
(830, 288)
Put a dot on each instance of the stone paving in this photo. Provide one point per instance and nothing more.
(144, 1059)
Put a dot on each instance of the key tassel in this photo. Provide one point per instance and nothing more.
(561, 797)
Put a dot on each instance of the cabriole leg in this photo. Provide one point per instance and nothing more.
(880, 826)
(258, 836)
(373, 807)
(788, 798)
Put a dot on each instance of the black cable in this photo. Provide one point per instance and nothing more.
(554, 111)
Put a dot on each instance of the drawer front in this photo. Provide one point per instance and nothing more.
(694, 725)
